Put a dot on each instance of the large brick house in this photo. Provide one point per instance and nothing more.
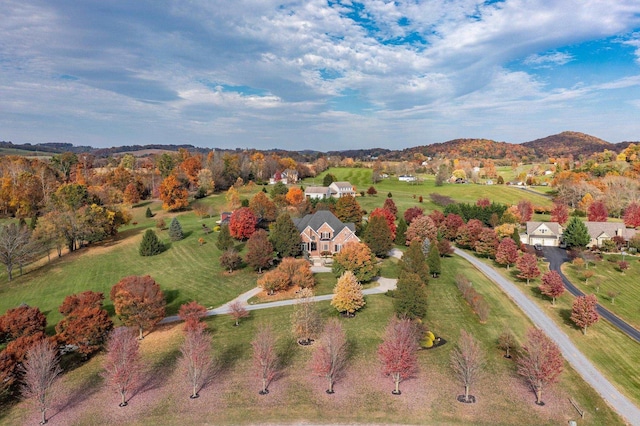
(324, 232)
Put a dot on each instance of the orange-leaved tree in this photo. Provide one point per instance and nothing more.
(173, 194)
(139, 302)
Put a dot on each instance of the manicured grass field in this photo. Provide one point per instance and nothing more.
(612, 352)
(362, 396)
(608, 278)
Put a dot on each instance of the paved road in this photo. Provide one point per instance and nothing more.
(578, 361)
(556, 257)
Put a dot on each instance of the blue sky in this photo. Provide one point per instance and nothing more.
(310, 74)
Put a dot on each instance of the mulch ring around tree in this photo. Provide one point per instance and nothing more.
(470, 400)
(347, 314)
(436, 343)
(305, 342)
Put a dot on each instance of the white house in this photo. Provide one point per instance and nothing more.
(317, 192)
(340, 189)
(406, 178)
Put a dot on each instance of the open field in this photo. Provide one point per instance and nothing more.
(612, 352)
(608, 278)
(362, 396)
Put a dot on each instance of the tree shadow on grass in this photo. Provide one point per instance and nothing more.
(565, 314)
(227, 359)
(77, 395)
(156, 375)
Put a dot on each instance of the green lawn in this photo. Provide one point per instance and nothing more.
(362, 396)
(612, 352)
(608, 278)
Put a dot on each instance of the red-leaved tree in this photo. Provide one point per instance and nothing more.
(41, 368)
(552, 285)
(525, 209)
(388, 216)
(195, 359)
(487, 243)
(450, 226)
(265, 357)
(191, 313)
(597, 211)
(632, 215)
(540, 362)
(85, 324)
(584, 312)
(412, 213)
(138, 302)
(122, 366)
(259, 251)
(21, 321)
(507, 252)
(527, 264)
(560, 213)
(390, 206)
(398, 351)
(242, 223)
(330, 356)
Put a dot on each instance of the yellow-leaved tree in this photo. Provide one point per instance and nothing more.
(347, 295)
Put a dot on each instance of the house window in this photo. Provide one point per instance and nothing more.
(325, 235)
(337, 248)
(325, 247)
(304, 246)
(314, 246)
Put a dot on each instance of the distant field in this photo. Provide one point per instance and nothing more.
(23, 152)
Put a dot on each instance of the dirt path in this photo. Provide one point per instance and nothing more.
(571, 353)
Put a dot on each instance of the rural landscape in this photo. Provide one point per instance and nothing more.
(180, 285)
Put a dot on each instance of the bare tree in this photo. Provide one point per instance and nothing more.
(238, 311)
(41, 369)
(330, 357)
(305, 318)
(398, 351)
(265, 357)
(467, 362)
(122, 366)
(540, 362)
(16, 247)
(507, 342)
(195, 359)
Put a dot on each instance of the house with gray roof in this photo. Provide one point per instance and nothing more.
(602, 231)
(324, 232)
(319, 192)
(550, 233)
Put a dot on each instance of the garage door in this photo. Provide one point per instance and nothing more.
(543, 241)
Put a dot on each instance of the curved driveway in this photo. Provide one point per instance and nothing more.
(556, 257)
(578, 361)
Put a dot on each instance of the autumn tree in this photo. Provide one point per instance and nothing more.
(330, 356)
(507, 252)
(131, 194)
(584, 312)
(21, 322)
(238, 311)
(552, 285)
(377, 236)
(295, 196)
(357, 258)
(597, 211)
(412, 213)
(191, 313)
(468, 234)
(273, 281)
(122, 365)
(242, 223)
(263, 207)
(540, 362)
(175, 230)
(195, 359)
(389, 218)
(348, 210)
(173, 195)
(285, 237)
(421, 228)
(41, 368)
(398, 351)
(525, 210)
(632, 215)
(410, 296)
(138, 302)
(467, 363)
(527, 264)
(372, 191)
(259, 251)
(230, 260)
(487, 243)
(86, 324)
(150, 244)
(16, 247)
(224, 241)
(347, 295)
(449, 228)
(507, 342)
(444, 247)
(560, 213)
(576, 234)
(305, 318)
(265, 357)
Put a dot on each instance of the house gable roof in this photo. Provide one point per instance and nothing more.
(316, 220)
(609, 229)
(554, 227)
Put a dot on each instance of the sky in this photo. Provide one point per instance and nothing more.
(321, 75)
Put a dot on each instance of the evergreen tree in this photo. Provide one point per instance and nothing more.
(378, 236)
(433, 260)
(576, 234)
(328, 179)
(410, 298)
(225, 241)
(285, 237)
(148, 212)
(150, 244)
(413, 262)
(175, 230)
(515, 236)
(401, 232)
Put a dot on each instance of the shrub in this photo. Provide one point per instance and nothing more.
(160, 224)
(150, 245)
(148, 213)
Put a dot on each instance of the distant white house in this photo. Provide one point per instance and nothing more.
(317, 192)
(340, 189)
(406, 178)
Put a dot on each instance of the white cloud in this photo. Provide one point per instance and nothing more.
(548, 60)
